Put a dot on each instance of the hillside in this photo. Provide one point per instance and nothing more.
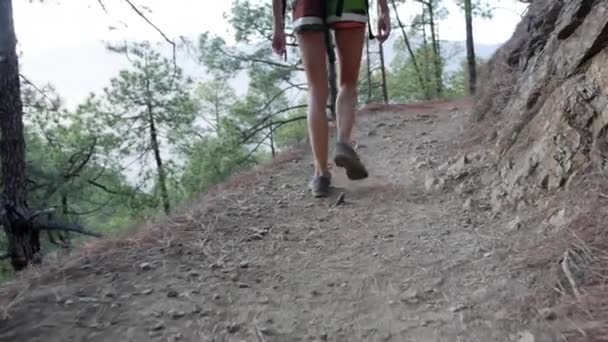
(400, 260)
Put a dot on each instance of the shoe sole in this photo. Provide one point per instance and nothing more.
(354, 169)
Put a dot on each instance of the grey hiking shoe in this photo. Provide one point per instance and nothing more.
(320, 185)
(346, 157)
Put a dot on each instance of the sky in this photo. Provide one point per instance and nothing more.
(62, 41)
(64, 23)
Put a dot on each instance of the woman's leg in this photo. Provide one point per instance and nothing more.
(313, 54)
(350, 49)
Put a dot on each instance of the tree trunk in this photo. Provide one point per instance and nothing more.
(472, 67)
(23, 239)
(436, 55)
(408, 45)
(271, 136)
(369, 71)
(162, 179)
(383, 70)
(425, 44)
(333, 86)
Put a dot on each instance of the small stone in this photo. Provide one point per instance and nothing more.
(548, 314)
(244, 264)
(430, 183)
(234, 277)
(110, 294)
(515, 224)
(233, 328)
(243, 285)
(264, 300)
(176, 337)
(410, 296)
(315, 293)
(148, 291)
(87, 300)
(216, 266)
(172, 294)
(145, 266)
(458, 308)
(216, 296)
(193, 274)
(174, 314)
(525, 336)
(158, 326)
(268, 331)
(68, 302)
(468, 204)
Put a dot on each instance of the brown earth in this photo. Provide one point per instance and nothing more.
(415, 253)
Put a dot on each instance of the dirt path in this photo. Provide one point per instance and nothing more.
(403, 259)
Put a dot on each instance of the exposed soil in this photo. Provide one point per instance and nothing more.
(414, 253)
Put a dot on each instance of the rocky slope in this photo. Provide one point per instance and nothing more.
(545, 101)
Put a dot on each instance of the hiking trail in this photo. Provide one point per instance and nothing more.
(411, 254)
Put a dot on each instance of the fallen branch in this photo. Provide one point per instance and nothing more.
(54, 226)
(569, 276)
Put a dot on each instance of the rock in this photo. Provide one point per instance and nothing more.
(244, 264)
(193, 274)
(559, 218)
(430, 184)
(233, 328)
(458, 308)
(459, 169)
(268, 331)
(174, 314)
(547, 314)
(172, 294)
(515, 224)
(467, 205)
(158, 326)
(216, 296)
(243, 285)
(68, 302)
(176, 337)
(146, 291)
(410, 296)
(525, 336)
(145, 266)
(421, 165)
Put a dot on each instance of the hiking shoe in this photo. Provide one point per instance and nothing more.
(346, 157)
(319, 186)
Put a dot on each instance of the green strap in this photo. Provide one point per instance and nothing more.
(339, 8)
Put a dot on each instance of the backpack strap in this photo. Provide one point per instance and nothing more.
(369, 22)
(339, 8)
(284, 8)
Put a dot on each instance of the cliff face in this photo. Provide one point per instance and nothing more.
(544, 95)
(546, 91)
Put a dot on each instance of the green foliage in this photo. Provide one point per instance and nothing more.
(211, 161)
(403, 81)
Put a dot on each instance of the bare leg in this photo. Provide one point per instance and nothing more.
(350, 49)
(313, 53)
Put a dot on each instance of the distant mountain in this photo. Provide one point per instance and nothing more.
(86, 68)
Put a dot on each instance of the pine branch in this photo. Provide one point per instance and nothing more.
(66, 227)
(263, 124)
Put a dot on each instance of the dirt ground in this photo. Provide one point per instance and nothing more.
(413, 253)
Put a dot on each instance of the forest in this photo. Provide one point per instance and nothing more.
(180, 136)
